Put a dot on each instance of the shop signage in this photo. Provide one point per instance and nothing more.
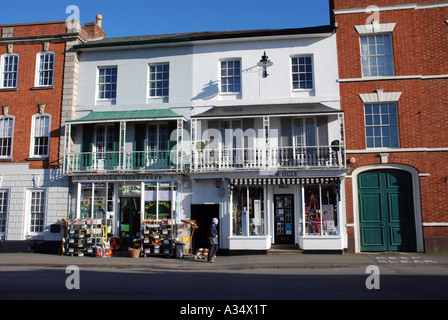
(127, 178)
(285, 174)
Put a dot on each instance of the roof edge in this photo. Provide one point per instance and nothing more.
(204, 36)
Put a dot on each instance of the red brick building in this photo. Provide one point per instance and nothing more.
(393, 74)
(37, 77)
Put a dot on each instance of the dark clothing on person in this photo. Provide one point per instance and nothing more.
(212, 233)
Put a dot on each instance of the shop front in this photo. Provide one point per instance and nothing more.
(126, 205)
(307, 212)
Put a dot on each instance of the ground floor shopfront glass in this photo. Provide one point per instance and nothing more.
(320, 210)
(159, 200)
(307, 214)
(121, 204)
(248, 211)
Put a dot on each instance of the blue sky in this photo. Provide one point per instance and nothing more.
(143, 17)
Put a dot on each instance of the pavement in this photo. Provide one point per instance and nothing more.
(233, 262)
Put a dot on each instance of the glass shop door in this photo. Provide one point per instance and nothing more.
(284, 218)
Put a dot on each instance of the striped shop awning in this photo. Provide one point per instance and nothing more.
(279, 180)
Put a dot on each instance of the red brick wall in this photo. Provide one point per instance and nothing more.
(23, 102)
(420, 40)
(37, 29)
(344, 4)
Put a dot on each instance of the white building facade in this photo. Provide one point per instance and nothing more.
(244, 126)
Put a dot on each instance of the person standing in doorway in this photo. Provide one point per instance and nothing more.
(213, 240)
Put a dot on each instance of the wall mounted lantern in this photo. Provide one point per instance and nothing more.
(264, 63)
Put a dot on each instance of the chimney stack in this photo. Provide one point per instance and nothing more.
(99, 20)
(94, 28)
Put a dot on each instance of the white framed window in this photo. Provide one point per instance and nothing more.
(304, 132)
(248, 216)
(377, 58)
(10, 70)
(107, 83)
(6, 136)
(158, 137)
(231, 76)
(228, 138)
(302, 73)
(381, 123)
(45, 69)
(40, 139)
(3, 212)
(36, 207)
(104, 140)
(159, 80)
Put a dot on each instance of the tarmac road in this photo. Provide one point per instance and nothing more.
(270, 278)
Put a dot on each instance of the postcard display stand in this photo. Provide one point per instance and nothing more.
(86, 237)
(158, 237)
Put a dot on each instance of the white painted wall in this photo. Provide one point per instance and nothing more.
(18, 180)
(195, 74)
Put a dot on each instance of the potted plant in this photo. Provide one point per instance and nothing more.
(335, 146)
(135, 250)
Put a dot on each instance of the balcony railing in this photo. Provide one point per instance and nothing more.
(208, 160)
(226, 159)
(116, 161)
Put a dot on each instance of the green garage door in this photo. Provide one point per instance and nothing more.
(386, 211)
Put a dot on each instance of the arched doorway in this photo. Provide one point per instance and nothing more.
(386, 210)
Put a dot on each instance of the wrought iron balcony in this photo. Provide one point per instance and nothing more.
(231, 159)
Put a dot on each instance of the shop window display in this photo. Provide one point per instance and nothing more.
(248, 211)
(158, 200)
(150, 200)
(96, 199)
(320, 211)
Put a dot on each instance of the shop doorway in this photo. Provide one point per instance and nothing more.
(284, 218)
(129, 219)
(386, 211)
(203, 214)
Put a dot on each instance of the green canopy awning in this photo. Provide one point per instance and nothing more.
(131, 115)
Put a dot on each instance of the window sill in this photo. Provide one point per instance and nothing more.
(36, 158)
(42, 88)
(6, 159)
(302, 90)
(106, 102)
(9, 89)
(158, 99)
(382, 78)
(229, 93)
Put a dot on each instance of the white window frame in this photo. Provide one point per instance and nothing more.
(4, 72)
(156, 142)
(110, 83)
(305, 72)
(227, 76)
(385, 56)
(41, 71)
(4, 210)
(302, 139)
(103, 147)
(30, 226)
(158, 81)
(6, 135)
(43, 133)
(381, 125)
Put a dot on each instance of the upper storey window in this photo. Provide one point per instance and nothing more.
(10, 70)
(107, 83)
(302, 72)
(45, 69)
(230, 76)
(377, 57)
(6, 136)
(159, 80)
(377, 53)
